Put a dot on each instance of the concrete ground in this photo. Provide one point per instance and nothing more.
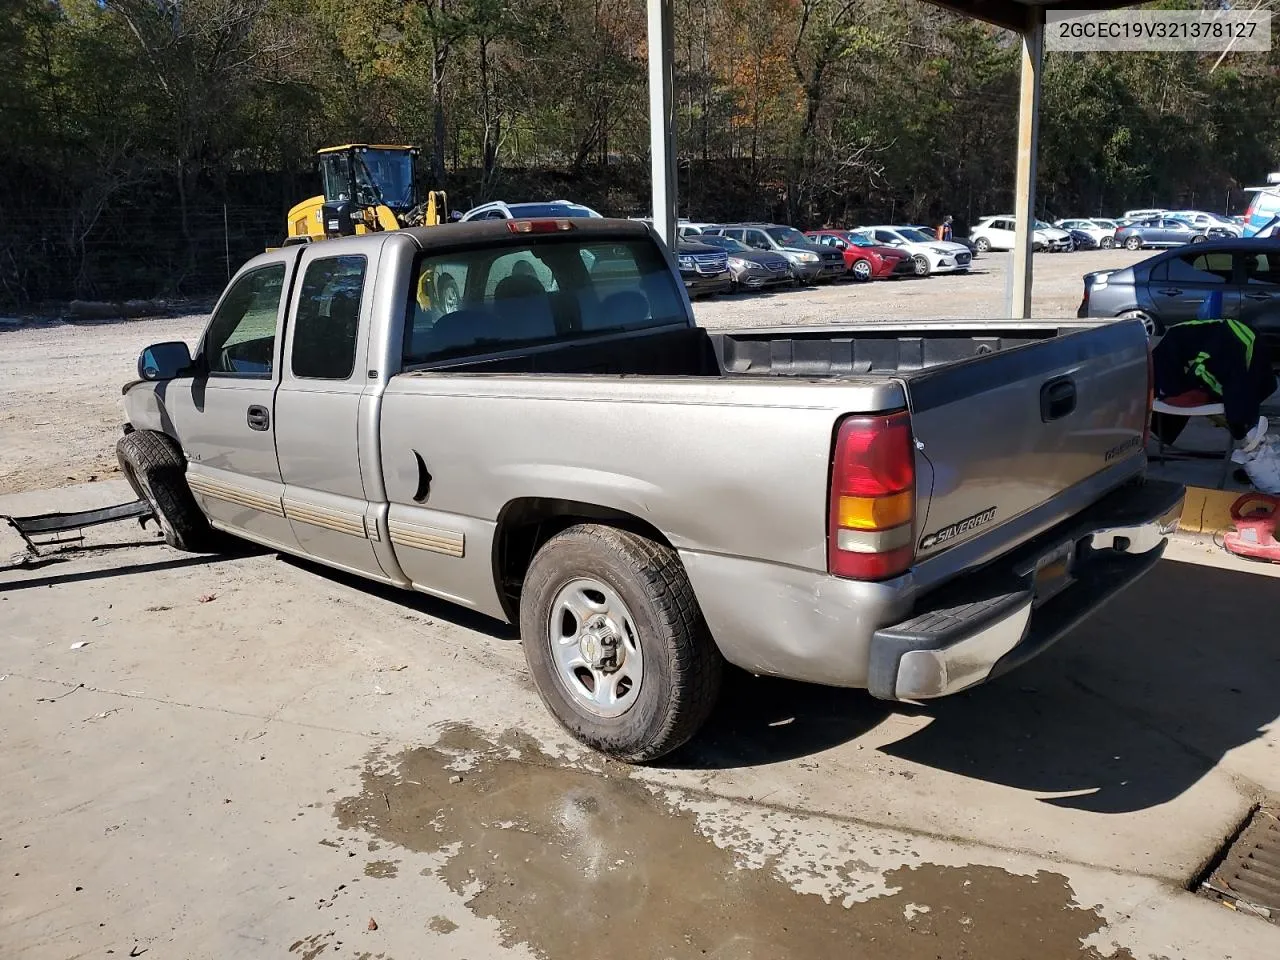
(247, 756)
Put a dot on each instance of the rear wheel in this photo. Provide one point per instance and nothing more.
(1199, 238)
(921, 264)
(616, 643)
(157, 471)
(982, 244)
(1107, 243)
(861, 270)
(1133, 243)
(1153, 325)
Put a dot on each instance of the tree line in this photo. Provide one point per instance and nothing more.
(130, 128)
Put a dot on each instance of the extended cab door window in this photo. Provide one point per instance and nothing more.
(327, 321)
(241, 339)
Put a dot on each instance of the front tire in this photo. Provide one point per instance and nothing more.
(982, 244)
(156, 469)
(861, 270)
(921, 265)
(616, 644)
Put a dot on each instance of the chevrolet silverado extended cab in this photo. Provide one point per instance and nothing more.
(911, 509)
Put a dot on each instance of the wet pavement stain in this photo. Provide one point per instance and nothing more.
(569, 861)
(442, 925)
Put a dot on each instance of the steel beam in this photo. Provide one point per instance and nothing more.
(662, 134)
(1024, 201)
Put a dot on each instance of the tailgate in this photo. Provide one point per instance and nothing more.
(1007, 432)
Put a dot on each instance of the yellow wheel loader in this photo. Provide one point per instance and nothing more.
(367, 187)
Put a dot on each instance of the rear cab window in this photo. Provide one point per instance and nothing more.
(480, 301)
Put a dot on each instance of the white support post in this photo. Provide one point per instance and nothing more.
(662, 136)
(1024, 201)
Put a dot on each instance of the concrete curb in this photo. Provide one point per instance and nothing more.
(1207, 512)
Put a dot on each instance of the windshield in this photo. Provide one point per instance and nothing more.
(569, 210)
(858, 240)
(725, 243)
(1041, 225)
(915, 236)
(788, 236)
(387, 174)
(484, 300)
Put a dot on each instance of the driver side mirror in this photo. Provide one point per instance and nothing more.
(164, 361)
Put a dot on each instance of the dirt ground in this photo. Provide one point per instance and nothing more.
(60, 383)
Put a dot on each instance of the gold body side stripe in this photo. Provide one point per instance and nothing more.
(427, 538)
(231, 493)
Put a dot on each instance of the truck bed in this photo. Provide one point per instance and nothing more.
(809, 352)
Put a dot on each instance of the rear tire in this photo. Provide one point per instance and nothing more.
(1107, 243)
(982, 244)
(645, 587)
(1153, 325)
(1133, 243)
(156, 469)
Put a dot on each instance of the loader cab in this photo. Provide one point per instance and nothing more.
(366, 187)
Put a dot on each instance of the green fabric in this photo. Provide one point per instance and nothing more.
(1243, 334)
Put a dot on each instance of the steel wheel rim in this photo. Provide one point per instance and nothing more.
(862, 270)
(596, 647)
(1148, 321)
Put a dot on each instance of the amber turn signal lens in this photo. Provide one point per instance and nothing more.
(876, 513)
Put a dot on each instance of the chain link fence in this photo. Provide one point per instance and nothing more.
(129, 253)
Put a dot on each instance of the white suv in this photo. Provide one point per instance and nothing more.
(544, 210)
(1000, 233)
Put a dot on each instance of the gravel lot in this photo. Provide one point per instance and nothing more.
(60, 383)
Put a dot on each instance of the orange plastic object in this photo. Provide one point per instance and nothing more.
(1254, 515)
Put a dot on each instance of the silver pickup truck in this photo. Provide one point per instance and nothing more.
(911, 509)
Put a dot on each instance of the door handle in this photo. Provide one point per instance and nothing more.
(258, 418)
(1057, 399)
(1171, 292)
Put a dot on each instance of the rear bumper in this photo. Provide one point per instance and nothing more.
(985, 624)
(804, 624)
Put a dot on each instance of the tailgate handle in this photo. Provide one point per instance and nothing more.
(1057, 399)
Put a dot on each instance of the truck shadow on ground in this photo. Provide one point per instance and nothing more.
(410, 600)
(1127, 712)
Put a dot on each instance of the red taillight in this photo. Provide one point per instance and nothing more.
(538, 226)
(871, 512)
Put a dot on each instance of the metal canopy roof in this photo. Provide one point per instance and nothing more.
(1014, 14)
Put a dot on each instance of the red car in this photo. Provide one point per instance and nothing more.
(863, 258)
